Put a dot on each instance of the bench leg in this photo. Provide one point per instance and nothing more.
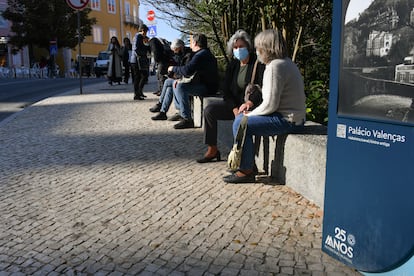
(278, 168)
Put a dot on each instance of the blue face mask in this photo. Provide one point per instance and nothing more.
(241, 53)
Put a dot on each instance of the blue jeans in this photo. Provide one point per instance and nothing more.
(268, 125)
(167, 96)
(182, 93)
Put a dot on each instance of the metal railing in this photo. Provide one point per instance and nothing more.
(26, 72)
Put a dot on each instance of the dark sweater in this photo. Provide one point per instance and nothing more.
(232, 92)
(205, 64)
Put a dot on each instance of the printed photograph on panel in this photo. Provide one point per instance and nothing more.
(377, 66)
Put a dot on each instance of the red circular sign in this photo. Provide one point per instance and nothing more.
(151, 15)
(77, 4)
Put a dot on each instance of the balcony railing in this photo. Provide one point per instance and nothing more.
(134, 20)
(129, 18)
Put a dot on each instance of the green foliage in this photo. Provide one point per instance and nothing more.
(305, 24)
(39, 22)
(317, 101)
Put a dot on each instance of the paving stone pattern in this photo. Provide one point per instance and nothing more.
(90, 185)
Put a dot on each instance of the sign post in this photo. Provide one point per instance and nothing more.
(152, 26)
(79, 5)
(369, 207)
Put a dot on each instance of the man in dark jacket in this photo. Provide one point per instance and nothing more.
(162, 54)
(139, 61)
(200, 78)
(182, 55)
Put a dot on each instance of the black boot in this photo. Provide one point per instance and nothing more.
(156, 108)
(184, 123)
(160, 117)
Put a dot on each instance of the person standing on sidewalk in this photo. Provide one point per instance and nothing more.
(126, 53)
(139, 61)
(162, 55)
(115, 66)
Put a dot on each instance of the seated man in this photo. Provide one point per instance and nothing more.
(182, 56)
(202, 72)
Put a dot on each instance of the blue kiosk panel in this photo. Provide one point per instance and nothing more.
(369, 195)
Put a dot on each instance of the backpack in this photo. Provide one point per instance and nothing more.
(160, 47)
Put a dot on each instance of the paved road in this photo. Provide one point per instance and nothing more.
(89, 185)
(16, 94)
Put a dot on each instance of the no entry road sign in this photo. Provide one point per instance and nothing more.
(151, 15)
(77, 4)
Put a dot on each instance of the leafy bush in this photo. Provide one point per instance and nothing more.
(317, 94)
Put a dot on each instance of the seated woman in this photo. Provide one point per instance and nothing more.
(283, 107)
(238, 75)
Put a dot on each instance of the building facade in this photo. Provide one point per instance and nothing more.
(386, 20)
(379, 44)
(114, 18)
(9, 57)
(118, 18)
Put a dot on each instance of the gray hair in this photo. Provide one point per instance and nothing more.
(271, 44)
(177, 43)
(239, 34)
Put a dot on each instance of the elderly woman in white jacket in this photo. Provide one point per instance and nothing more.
(283, 108)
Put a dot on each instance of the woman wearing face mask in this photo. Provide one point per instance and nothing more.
(238, 75)
(283, 108)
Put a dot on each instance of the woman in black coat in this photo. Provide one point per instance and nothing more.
(238, 75)
(126, 54)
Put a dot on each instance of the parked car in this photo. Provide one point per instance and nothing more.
(102, 63)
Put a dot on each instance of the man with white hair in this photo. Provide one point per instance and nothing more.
(182, 56)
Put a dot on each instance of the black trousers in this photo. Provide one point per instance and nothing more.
(126, 73)
(218, 110)
(140, 77)
(161, 74)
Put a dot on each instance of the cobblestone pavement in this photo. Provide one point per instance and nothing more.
(90, 185)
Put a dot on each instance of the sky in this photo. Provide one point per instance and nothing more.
(163, 29)
(356, 7)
